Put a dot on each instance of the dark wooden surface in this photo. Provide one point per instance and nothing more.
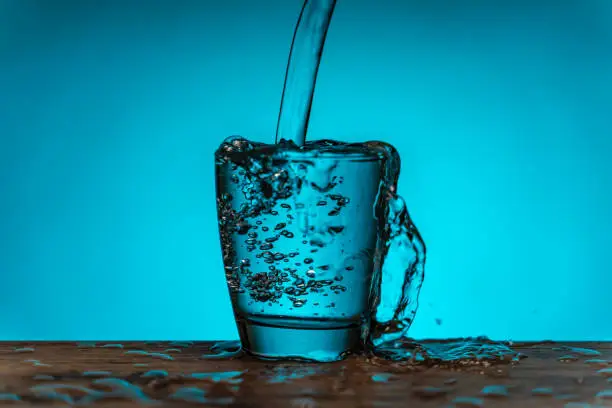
(30, 371)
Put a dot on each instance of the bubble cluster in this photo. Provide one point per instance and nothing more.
(258, 214)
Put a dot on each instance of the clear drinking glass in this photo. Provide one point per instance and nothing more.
(320, 255)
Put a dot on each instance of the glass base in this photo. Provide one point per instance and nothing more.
(272, 342)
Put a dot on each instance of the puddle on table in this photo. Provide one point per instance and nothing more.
(154, 377)
(223, 349)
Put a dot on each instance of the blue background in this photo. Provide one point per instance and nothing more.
(110, 112)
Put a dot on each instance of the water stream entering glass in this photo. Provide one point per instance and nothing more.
(302, 69)
(298, 230)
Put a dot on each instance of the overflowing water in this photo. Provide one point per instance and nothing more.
(308, 245)
(320, 254)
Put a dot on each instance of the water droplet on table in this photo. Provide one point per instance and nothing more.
(597, 362)
(161, 356)
(9, 397)
(494, 391)
(223, 350)
(155, 374)
(604, 395)
(23, 350)
(113, 345)
(231, 377)
(381, 377)
(606, 372)
(581, 351)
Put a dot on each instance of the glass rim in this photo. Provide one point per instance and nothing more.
(344, 154)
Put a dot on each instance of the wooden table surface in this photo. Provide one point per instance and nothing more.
(183, 374)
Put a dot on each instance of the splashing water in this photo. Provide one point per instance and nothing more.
(450, 352)
(308, 244)
(320, 254)
(299, 235)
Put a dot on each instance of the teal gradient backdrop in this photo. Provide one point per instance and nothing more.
(110, 112)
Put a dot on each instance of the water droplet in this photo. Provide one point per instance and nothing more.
(317, 243)
(299, 302)
(335, 230)
(232, 377)
(580, 351)
(161, 356)
(9, 397)
(113, 345)
(155, 374)
(604, 395)
(597, 362)
(23, 350)
(381, 377)
(606, 372)
(494, 391)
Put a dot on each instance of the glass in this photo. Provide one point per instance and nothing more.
(320, 255)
